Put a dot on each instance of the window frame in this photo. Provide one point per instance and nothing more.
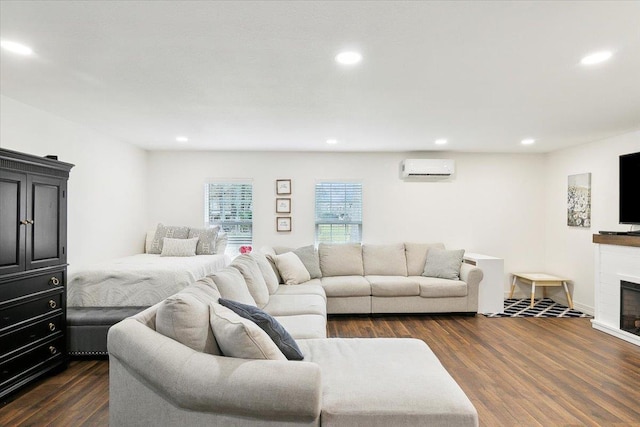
(235, 241)
(345, 210)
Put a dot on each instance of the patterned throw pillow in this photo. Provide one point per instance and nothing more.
(179, 247)
(267, 323)
(207, 239)
(170, 231)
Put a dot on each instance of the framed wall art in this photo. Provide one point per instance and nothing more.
(283, 223)
(283, 205)
(579, 200)
(283, 186)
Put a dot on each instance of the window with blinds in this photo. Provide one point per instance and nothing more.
(230, 205)
(338, 212)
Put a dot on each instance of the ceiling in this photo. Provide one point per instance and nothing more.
(262, 75)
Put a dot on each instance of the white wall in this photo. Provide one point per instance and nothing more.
(494, 205)
(107, 187)
(569, 251)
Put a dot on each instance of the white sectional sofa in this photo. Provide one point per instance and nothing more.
(388, 279)
(167, 365)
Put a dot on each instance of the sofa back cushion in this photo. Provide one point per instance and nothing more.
(184, 317)
(341, 260)
(231, 285)
(417, 256)
(384, 260)
(248, 267)
(268, 273)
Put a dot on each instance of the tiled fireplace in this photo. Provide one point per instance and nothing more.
(617, 288)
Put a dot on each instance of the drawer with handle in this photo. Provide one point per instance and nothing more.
(16, 313)
(30, 333)
(32, 360)
(31, 285)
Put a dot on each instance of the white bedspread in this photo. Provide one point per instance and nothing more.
(138, 280)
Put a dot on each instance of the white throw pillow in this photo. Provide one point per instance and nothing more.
(240, 337)
(179, 247)
(291, 268)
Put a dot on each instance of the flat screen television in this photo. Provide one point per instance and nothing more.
(630, 188)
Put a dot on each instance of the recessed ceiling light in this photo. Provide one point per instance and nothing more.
(348, 58)
(332, 141)
(527, 141)
(441, 141)
(596, 57)
(182, 139)
(16, 47)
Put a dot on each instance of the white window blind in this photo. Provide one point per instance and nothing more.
(338, 212)
(230, 205)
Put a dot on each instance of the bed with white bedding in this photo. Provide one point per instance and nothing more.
(138, 280)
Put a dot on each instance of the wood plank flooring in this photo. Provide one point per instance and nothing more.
(517, 372)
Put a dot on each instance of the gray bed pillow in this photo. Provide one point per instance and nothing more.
(267, 323)
(443, 264)
(309, 257)
(206, 239)
(170, 231)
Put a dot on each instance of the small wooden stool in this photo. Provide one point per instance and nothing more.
(540, 279)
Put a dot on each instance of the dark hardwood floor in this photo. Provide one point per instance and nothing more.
(517, 372)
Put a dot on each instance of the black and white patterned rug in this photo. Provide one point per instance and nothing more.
(545, 307)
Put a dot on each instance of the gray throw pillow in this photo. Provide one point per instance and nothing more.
(170, 231)
(309, 257)
(267, 323)
(206, 239)
(443, 264)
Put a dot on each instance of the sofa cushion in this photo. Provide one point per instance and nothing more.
(267, 323)
(171, 231)
(184, 317)
(287, 305)
(231, 285)
(268, 274)
(443, 264)
(393, 286)
(309, 257)
(269, 253)
(302, 326)
(248, 267)
(179, 247)
(206, 239)
(291, 268)
(346, 286)
(312, 287)
(416, 254)
(433, 287)
(240, 337)
(341, 260)
(384, 260)
(390, 382)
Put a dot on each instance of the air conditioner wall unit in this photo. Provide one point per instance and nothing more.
(413, 168)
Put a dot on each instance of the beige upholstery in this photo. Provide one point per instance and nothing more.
(312, 287)
(416, 254)
(432, 287)
(341, 260)
(391, 286)
(287, 305)
(388, 260)
(304, 325)
(248, 267)
(346, 286)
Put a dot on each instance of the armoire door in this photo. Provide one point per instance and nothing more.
(13, 215)
(45, 211)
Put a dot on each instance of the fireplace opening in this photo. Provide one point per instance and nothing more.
(630, 307)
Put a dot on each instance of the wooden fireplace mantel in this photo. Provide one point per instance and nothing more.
(620, 240)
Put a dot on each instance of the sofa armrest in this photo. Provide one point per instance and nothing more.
(470, 274)
(279, 390)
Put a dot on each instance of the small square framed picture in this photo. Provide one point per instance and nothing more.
(283, 186)
(283, 223)
(283, 205)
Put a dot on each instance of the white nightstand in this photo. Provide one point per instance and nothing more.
(491, 291)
